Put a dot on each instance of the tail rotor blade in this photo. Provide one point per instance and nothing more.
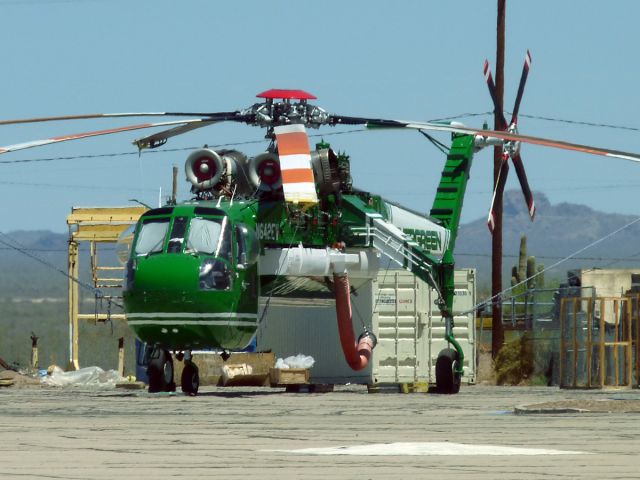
(494, 95)
(524, 184)
(500, 183)
(523, 81)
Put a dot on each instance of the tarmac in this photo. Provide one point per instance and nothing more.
(263, 433)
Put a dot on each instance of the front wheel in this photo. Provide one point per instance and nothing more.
(160, 371)
(190, 379)
(447, 377)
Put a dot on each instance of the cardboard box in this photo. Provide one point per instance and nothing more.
(288, 376)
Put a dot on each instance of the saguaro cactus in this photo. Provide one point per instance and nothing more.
(522, 259)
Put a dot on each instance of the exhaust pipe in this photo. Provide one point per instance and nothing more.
(357, 354)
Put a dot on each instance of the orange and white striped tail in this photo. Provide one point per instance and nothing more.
(298, 183)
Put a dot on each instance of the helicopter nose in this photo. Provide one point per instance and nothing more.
(179, 301)
(165, 272)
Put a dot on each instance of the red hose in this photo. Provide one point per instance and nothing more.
(357, 354)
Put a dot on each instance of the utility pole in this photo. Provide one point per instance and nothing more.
(497, 331)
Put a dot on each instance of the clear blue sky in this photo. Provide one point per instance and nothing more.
(416, 60)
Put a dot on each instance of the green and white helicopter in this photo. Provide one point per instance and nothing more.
(197, 268)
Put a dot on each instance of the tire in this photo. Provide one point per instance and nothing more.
(160, 372)
(447, 380)
(190, 379)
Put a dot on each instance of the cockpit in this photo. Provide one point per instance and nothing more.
(195, 235)
(204, 233)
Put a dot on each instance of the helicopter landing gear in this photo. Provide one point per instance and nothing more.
(447, 377)
(190, 379)
(160, 371)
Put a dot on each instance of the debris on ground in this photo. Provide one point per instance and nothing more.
(11, 378)
(85, 377)
(296, 361)
(581, 406)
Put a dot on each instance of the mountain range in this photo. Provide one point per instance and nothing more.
(558, 231)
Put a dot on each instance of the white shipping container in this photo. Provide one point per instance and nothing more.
(397, 307)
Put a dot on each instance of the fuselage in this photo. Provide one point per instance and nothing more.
(194, 275)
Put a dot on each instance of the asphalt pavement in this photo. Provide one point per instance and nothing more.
(264, 433)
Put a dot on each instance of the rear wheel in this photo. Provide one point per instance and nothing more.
(160, 371)
(447, 379)
(190, 379)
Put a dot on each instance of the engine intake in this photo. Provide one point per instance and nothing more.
(264, 172)
(204, 168)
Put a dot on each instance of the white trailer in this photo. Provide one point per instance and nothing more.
(397, 307)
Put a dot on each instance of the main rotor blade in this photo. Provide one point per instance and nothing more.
(494, 95)
(523, 81)
(514, 137)
(77, 136)
(160, 138)
(218, 116)
(524, 184)
(499, 186)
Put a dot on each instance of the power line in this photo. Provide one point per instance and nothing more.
(457, 254)
(120, 154)
(164, 150)
(553, 257)
(462, 115)
(500, 294)
(13, 244)
(91, 187)
(579, 122)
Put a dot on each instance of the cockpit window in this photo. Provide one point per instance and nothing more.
(151, 236)
(210, 236)
(177, 235)
(248, 247)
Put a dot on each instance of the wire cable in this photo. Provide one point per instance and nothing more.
(15, 245)
(268, 301)
(164, 150)
(499, 295)
(439, 145)
(458, 254)
(90, 187)
(578, 122)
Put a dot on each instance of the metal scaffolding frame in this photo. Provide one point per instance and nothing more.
(96, 225)
(598, 337)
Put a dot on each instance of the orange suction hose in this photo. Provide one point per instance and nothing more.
(357, 354)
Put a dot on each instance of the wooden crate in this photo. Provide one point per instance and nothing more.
(211, 364)
(242, 375)
(288, 376)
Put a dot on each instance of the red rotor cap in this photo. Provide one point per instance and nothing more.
(288, 94)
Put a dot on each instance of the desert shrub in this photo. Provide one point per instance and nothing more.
(514, 363)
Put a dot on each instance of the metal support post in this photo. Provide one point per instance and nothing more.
(73, 306)
(34, 351)
(121, 356)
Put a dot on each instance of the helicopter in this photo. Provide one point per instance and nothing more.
(197, 268)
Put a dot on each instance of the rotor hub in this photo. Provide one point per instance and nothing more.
(273, 114)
